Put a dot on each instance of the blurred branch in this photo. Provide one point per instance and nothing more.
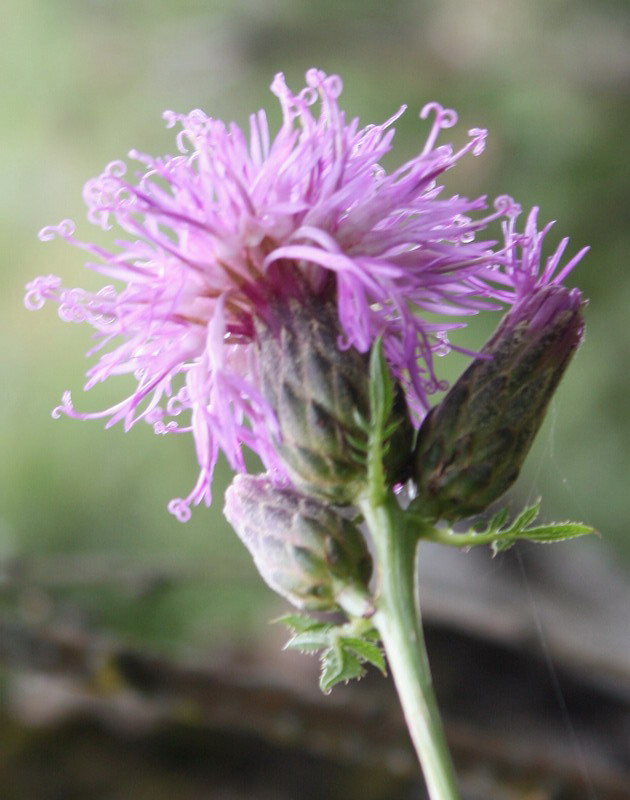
(586, 628)
(52, 572)
(358, 726)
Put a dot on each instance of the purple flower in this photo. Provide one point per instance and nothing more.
(212, 234)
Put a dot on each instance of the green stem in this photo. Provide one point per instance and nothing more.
(397, 619)
(452, 539)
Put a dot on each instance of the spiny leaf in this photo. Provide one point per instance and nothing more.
(360, 445)
(360, 421)
(359, 449)
(381, 388)
(499, 519)
(554, 532)
(391, 429)
(301, 622)
(344, 649)
(338, 664)
(309, 641)
(501, 537)
(367, 651)
(525, 518)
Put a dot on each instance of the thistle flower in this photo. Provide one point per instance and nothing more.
(234, 226)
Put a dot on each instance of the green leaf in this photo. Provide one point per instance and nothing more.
(338, 664)
(367, 651)
(359, 451)
(344, 647)
(360, 445)
(391, 429)
(501, 537)
(360, 421)
(381, 388)
(557, 531)
(310, 641)
(524, 518)
(381, 392)
(499, 519)
(301, 622)
(554, 532)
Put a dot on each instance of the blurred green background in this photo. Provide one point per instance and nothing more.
(84, 81)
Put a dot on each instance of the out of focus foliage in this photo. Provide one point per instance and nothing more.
(87, 80)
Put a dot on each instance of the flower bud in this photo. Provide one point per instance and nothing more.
(317, 392)
(303, 550)
(471, 446)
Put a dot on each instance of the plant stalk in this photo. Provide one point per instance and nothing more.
(397, 619)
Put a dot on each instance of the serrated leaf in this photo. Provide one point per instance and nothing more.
(381, 389)
(343, 656)
(391, 429)
(360, 421)
(338, 665)
(367, 651)
(525, 518)
(359, 444)
(357, 458)
(499, 519)
(309, 641)
(554, 532)
(300, 622)
(359, 451)
(501, 545)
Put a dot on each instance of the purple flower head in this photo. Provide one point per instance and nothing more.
(524, 269)
(215, 236)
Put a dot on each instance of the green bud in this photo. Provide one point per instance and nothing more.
(471, 446)
(303, 550)
(318, 393)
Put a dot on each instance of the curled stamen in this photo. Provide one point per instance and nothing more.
(171, 118)
(161, 429)
(334, 86)
(479, 136)
(65, 229)
(72, 306)
(308, 96)
(444, 118)
(178, 403)
(180, 509)
(115, 169)
(65, 407)
(39, 290)
(507, 206)
(315, 77)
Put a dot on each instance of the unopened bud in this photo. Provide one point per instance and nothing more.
(318, 392)
(303, 550)
(472, 445)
